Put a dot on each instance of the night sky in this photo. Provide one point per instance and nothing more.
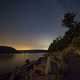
(33, 24)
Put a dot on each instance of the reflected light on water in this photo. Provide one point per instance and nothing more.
(9, 64)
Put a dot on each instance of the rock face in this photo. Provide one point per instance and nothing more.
(65, 66)
(72, 70)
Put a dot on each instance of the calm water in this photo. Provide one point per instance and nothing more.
(9, 64)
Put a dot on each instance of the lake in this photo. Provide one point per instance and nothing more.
(9, 64)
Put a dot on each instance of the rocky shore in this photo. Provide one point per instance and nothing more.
(34, 70)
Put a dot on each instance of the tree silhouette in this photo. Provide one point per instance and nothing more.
(73, 31)
(68, 20)
(56, 49)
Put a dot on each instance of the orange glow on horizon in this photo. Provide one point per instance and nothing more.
(22, 48)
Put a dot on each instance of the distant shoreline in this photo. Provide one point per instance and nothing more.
(10, 50)
(32, 51)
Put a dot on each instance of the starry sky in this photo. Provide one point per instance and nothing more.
(33, 24)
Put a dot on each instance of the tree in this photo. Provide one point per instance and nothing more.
(68, 20)
(60, 60)
(74, 30)
(55, 44)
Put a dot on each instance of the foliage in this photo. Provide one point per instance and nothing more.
(55, 44)
(60, 61)
(72, 68)
(73, 32)
(68, 20)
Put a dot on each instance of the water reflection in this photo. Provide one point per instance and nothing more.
(8, 64)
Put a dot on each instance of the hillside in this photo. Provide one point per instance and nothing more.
(64, 52)
(6, 50)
